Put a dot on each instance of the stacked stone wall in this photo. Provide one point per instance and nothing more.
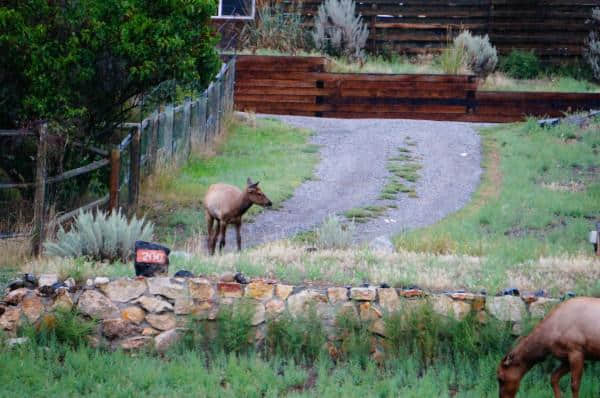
(142, 312)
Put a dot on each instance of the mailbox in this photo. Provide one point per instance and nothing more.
(151, 259)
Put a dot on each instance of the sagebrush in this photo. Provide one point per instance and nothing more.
(100, 236)
(339, 31)
(333, 234)
(481, 56)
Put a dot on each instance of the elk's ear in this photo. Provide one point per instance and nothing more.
(509, 360)
(249, 181)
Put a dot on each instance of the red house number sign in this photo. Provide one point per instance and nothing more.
(150, 256)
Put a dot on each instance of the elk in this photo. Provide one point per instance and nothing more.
(226, 204)
(570, 333)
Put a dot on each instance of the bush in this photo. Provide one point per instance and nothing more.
(100, 237)
(453, 60)
(300, 338)
(591, 51)
(481, 56)
(332, 234)
(275, 29)
(521, 65)
(338, 31)
(234, 325)
(65, 327)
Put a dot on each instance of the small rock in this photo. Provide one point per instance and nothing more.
(101, 280)
(47, 280)
(17, 341)
(462, 296)
(227, 277)
(16, 296)
(382, 244)
(378, 327)
(149, 332)
(283, 291)
(337, 294)
(384, 285)
(153, 304)
(96, 305)
(30, 281)
(409, 293)
(63, 300)
(124, 290)
(182, 273)
(135, 343)
(368, 311)
(230, 289)
(32, 307)
(240, 278)
(89, 283)
(259, 290)
(506, 308)
(201, 289)
(70, 283)
(388, 299)
(163, 321)
(363, 293)
(133, 314)
(274, 307)
(512, 291)
(10, 320)
(165, 287)
(16, 284)
(259, 315)
(118, 327)
(163, 341)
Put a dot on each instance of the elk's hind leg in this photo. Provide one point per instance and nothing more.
(562, 370)
(576, 359)
(238, 235)
(209, 232)
(223, 231)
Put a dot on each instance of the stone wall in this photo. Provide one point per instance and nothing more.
(135, 313)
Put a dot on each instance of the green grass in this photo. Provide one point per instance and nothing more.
(364, 214)
(427, 355)
(539, 197)
(278, 156)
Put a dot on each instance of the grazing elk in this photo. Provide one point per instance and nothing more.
(570, 332)
(226, 204)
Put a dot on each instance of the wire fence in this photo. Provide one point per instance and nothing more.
(36, 204)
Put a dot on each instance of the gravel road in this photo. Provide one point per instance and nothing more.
(352, 173)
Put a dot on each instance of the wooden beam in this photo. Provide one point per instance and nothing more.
(39, 202)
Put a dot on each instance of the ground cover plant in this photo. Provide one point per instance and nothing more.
(265, 150)
(428, 355)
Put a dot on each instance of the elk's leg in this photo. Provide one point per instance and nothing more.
(238, 235)
(209, 231)
(213, 236)
(562, 370)
(223, 231)
(576, 359)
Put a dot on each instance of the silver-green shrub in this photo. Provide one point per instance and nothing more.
(100, 236)
(333, 234)
(339, 31)
(591, 52)
(482, 57)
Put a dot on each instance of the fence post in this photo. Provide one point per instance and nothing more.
(39, 228)
(134, 172)
(115, 166)
(153, 143)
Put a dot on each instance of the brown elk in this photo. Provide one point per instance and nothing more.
(226, 204)
(570, 332)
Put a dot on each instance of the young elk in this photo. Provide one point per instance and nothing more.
(570, 332)
(226, 204)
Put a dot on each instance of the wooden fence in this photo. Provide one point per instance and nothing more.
(165, 137)
(301, 86)
(554, 29)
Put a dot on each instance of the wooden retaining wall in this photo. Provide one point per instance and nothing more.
(301, 86)
(554, 29)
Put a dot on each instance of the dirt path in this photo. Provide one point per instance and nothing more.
(352, 173)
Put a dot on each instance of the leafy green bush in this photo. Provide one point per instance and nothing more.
(481, 56)
(333, 234)
(102, 236)
(276, 29)
(521, 65)
(591, 52)
(234, 325)
(63, 327)
(339, 31)
(300, 338)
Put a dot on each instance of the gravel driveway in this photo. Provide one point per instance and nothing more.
(352, 173)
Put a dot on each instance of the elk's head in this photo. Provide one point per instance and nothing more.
(256, 195)
(510, 372)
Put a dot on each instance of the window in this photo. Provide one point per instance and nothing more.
(236, 9)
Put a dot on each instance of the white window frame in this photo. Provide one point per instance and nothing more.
(247, 17)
